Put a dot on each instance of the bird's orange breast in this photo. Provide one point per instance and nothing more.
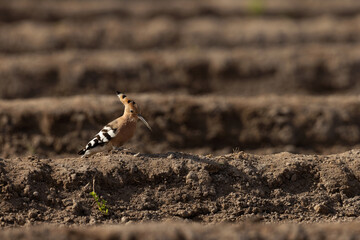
(126, 130)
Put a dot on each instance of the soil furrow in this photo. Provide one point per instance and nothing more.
(311, 69)
(162, 33)
(209, 124)
(59, 10)
(189, 231)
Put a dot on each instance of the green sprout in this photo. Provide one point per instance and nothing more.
(101, 204)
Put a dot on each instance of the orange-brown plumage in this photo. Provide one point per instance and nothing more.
(117, 132)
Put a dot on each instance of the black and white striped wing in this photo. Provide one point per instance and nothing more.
(100, 139)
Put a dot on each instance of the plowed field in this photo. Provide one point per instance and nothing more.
(254, 107)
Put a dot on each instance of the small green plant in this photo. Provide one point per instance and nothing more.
(101, 204)
(256, 7)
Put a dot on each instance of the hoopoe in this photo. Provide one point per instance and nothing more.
(117, 132)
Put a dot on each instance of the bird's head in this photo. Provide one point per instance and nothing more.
(132, 108)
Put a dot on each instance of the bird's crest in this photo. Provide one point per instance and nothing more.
(132, 108)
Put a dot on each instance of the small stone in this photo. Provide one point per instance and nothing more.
(92, 221)
(294, 177)
(73, 176)
(26, 189)
(171, 156)
(190, 177)
(32, 214)
(322, 209)
(68, 219)
(161, 188)
(185, 213)
(124, 219)
(36, 194)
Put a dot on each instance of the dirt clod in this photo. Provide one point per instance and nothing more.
(322, 209)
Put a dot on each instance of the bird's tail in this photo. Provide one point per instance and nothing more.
(82, 152)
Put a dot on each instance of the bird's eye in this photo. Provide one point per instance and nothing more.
(131, 111)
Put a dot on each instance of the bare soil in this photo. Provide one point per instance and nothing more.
(311, 69)
(208, 124)
(179, 230)
(220, 82)
(178, 186)
(284, 47)
(38, 10)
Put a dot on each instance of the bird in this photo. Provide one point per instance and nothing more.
(118, 131)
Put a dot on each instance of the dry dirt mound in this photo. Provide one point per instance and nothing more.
(208, 124)
(174, 186)
(176, 231)
(312, 68)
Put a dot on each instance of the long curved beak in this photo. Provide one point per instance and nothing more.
(144, 121)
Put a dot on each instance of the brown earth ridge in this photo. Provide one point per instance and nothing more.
(38, 10)
(313, 69)
(207, 124)
(235, 187)
(290, 47)
(178, 230)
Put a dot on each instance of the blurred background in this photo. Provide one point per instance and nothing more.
(211, 77)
